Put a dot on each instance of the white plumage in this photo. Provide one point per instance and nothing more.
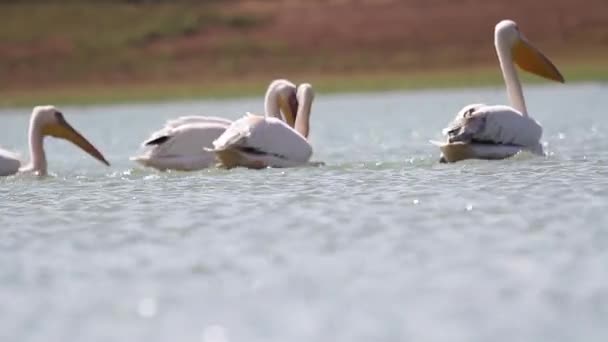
(260, 141)
(497, 131)
(497, 124)
(185, 143)
(194, 119)
(180, 144)
(9, 163)
(45, 121)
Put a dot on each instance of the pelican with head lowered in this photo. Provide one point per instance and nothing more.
(45, 121)
(180, 145)
(256, 141)
(482, 131)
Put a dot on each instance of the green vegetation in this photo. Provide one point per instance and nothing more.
(84, 39)
(152, 92)
(87, 51)
(100, 26)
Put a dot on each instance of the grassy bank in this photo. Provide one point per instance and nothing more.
(86, 51)
(255, 86)
(73, 41)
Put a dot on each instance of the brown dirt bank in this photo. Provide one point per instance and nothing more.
(227, 40)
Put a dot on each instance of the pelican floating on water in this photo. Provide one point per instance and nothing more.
(45, 121)
(256, 141)
(482, 131)
(182, 143)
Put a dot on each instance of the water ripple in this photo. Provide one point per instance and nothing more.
(380, 243)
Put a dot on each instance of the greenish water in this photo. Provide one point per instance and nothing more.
(381, 244)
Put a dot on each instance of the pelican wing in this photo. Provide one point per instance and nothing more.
(237, 133)
(172, 125)
(494, 125)
(259, 141)
(196, 119)
(182, 146)
(9, 163)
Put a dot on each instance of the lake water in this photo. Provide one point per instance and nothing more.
(381, 244)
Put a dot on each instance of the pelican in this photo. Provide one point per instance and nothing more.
(45, 121)
(256, 141)
(180, 145)
(482, 131)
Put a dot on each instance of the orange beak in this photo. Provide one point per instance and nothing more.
(532, 60)
(64, 130)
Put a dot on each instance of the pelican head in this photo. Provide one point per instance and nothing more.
(305, 91)
(288, 102)
(508, 37)
(48, 121)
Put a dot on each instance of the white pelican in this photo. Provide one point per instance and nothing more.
(180, 145)
(256, 141)
(482, 131)
(45, 121)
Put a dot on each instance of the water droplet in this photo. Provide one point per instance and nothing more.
(469, 207)
(214, 333)
(561, 136)
(416, 201)
(147, 307)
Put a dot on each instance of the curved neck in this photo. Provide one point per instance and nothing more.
(509, 74)
(276, 89)
(271, 103)
(305, 98)
(37, 156)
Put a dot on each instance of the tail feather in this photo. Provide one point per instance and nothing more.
(157, 140)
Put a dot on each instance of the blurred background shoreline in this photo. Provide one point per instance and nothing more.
(102, 52)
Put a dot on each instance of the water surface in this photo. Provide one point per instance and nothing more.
(381, 244)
